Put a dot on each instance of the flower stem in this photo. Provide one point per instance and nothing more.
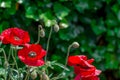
(13, 56)
(27, 74)
(14, 59)
(38, 40)
(68, 52)
(4, 54)
(9, 54)
(48, 42)
(5, 61)
(60, 75)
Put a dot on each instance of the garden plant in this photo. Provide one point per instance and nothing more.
(32, 56)
(59, 40)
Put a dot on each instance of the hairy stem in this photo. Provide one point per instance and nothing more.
(5, 61)
(15, 62)
(68, 52)
(48, 42)
(38, 40)
(27, 74)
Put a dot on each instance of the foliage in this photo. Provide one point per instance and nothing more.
(93, 23)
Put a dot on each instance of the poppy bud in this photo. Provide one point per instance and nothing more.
(33, 75)
(56, 28)
(45, 77)
(42, 33)
(6, 64)
(40, 26)
(75, 44)
(63, 25)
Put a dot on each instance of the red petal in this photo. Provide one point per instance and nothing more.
(23, 55)
(84, 72)
(78, 77)
(9, 34)
(97, 72)
(90, 61)
(90, 78)
(73, 60)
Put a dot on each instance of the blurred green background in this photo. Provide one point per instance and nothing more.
(95, 24)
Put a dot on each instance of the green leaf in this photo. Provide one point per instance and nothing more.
(31, 12)
(110, 47)
(62, 66)
(2, 72)
(11, 10)
(1, 79)
(110, 32)
(111, 21)
(108, 1)
(118, 15)
(4, 25)
(115, 8)
(117, 31)
(118, 1)
(6, 4)
(98, 28)
(48, 18)
(81, 5)
(63, 23)
(98, 54)
(20, 1)
(60, 10)
(1, 28)
(111, 61)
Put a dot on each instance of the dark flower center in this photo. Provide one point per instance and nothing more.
(81, 66)
(16, 38)
(32, 54)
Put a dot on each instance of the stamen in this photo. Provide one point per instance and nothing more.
(16, 38)
(32, 54)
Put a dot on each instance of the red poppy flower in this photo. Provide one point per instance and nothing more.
(32, 55)
(86, 78)
(83, 67)
(77, 60)
(14, 36)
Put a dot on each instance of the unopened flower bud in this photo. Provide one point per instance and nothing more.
(6, 64)
(75, 44)
(56, 28)
(42, 33)
(40, 26)
(45, 77)
(33, 74)
(63, 25)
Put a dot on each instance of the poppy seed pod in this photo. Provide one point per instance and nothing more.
(42, 33)
(45, 77)
(56, 28)
(75, 44)
(33, 74)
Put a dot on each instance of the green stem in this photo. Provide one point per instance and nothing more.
(5, 61)
(14, 59)
(13, 56)
(4, 54)
(38, 40)
(68, 52)
(60, 75)
(48, 42)
(27, 74)
(9, 54)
